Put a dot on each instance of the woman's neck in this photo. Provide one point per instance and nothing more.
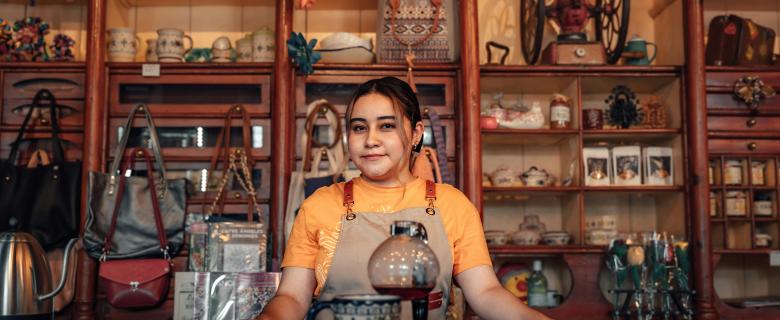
(401, 179)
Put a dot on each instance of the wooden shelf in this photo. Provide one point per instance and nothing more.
(717, 220)
(738, 219)
(43, 65)
(773, 68)
(386, 67)
(527, 136)
(525, 190)
(743, 251)
(641, 188)
(200, 68)
(638, 135)
(765, 219)
(591, 70)
(544, 250)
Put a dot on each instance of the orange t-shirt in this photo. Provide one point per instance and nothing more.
(315, 232)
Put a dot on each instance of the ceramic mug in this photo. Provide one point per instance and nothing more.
(244, 49)
(593, 119)
(263, 43)
(170, 45)
(122, 44)
(151, 50)
(360, 307)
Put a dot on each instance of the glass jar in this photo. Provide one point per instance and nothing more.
(736, 203)
(560, 112)
(713, 204)
(711, 172)
(732, 173)
(762, 205)
(758, 173)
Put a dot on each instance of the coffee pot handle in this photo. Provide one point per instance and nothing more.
(316, 308)
(64, 275)
(655, 50)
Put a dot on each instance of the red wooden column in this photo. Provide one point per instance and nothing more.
(94, 142)
(696, 102)
(283, 120)
(471, 162)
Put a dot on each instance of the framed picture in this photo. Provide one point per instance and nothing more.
(659, 166)
(627, 165)
(597, 166)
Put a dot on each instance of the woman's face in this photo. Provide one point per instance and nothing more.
(375, 142)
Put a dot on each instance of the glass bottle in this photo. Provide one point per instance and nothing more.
(404, 265)
(537, 286)
(560, 112)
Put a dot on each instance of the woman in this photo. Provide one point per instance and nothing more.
(337, 227)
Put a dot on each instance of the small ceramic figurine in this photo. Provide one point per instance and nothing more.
(28, 39)
(61, 48)
(534, 177)
(654, 114)
(623, 111)
(6, 41)
(199, 55)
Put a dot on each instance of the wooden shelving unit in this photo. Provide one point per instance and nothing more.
(464, 86)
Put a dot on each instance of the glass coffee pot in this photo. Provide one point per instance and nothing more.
(404, 265)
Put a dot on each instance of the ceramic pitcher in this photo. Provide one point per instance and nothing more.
(151, 50)
(170, 45)
(244, 49)
(263, 45)
(122, 44)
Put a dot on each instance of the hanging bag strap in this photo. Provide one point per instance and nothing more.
(223, 149)
(120, 149)
(395, 5)
(129, 162)
(441, 145)
(39, 157)
(41, 96)
(238, 168)
(321, 109)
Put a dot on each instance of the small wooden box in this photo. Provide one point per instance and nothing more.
(574, 53)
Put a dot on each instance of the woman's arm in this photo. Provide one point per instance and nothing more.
(293, 297)
(489, 299)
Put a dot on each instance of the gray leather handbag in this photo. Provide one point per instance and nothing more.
(136, 231)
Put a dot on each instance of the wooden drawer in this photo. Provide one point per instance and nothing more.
(72, 115)
(437, 93)
(736, 123)
(744, 146)
(321, 134)
(24, 85)
(187, 95)
(72, 143)
(191, 139)
(720, 88)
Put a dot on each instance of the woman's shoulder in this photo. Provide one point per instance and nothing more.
(449, 196)
(325, 197)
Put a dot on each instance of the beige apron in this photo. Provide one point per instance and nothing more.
(363, 232)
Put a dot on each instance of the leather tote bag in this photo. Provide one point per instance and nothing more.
(309, 176)
(136, 283)
(43, 200)
(427, 28)
(136, 234)
(440, 156)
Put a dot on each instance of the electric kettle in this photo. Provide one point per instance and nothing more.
(26, 286)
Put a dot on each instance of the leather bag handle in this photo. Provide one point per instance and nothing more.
(129, 162)
(320, 110)
(222, 149)
(122, 145)
(57, 148)
(238, 168)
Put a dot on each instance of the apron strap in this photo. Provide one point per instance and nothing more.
(349, 197)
